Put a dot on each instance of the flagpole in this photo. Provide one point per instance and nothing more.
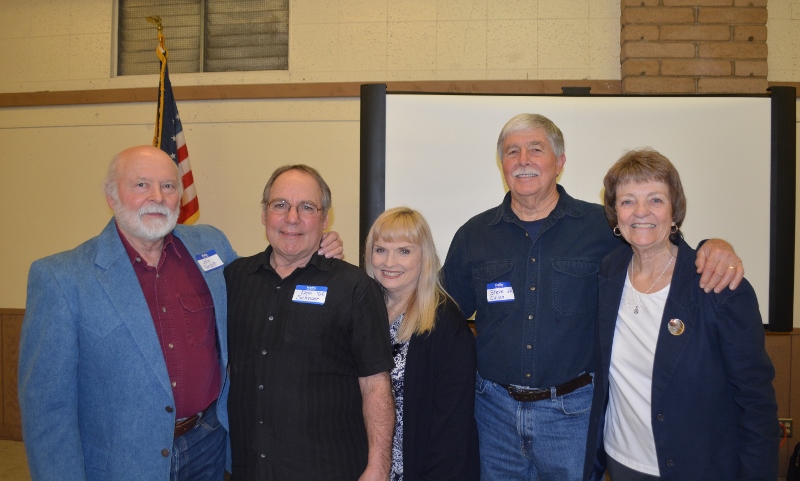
(169, 133)
(161, 51)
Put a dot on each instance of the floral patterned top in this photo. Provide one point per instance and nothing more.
(400, 350)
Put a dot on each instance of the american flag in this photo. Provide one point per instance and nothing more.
(169, 138)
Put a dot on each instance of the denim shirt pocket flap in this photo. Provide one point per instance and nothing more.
(198, 317)
(196, 302)
(490, 271)
(575, 285)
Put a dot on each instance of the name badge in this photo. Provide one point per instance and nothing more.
(310, 294)
(499, 292)
(209, 260)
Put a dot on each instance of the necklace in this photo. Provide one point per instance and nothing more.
(636, 306)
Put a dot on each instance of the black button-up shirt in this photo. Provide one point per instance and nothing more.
(544, 337)
(295, 402)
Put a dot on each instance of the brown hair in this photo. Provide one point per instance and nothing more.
(325, 191)
(644, 165)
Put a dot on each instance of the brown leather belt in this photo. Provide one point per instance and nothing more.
(527, 396)
(184, 426)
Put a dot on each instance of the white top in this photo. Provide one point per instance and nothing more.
(628, 431)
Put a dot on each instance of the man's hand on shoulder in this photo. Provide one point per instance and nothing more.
(331, 245)
(719, 265)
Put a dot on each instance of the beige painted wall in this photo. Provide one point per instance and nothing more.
(53, 161)
(52, 158)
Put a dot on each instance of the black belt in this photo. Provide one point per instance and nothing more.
(527, 396)
(184, 426)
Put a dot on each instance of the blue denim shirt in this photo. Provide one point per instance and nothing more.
(545, 336)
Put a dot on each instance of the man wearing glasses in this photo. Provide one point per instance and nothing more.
(309, 349)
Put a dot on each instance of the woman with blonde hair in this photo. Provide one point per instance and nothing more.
(434, 350)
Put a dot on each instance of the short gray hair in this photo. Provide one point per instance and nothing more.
(525, 122)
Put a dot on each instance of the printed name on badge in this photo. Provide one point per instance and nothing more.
(209, 260)
(499, 292)
(310, 294)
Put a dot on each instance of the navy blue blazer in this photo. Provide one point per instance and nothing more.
(440, 436)
(714, 414)
(94, 391)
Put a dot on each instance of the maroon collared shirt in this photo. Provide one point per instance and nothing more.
(183, 314)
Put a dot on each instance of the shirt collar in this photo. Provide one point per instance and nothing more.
(566, 206)
(320, 262)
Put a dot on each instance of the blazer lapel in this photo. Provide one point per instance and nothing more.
(670, 347)
(121, 285)
(610, 288)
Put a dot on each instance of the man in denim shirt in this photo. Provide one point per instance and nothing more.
(528, 270)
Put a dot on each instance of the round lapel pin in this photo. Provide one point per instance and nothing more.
(675, 327)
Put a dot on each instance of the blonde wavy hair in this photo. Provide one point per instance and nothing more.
(402, 224)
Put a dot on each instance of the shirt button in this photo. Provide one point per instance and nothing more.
(138, 259)
(174, 383)
(660, 417)
(533, 288)
(263, 455)
(169, 409)
(271, 318)
(163, 309)
(278, 288)
(533, 259)
(530, 317)
(165, 452)
(260, 421)
(528, 375)
(669, 462)
(528, 346)
(261, 386)
(263, 352)
(158, 275)
(170, 345)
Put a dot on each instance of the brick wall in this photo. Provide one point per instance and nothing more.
(693, 46)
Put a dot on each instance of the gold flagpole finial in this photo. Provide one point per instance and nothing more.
(156, 20)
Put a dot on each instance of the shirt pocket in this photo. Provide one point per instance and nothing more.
(575, 285)
(492, 272)
(198, 317)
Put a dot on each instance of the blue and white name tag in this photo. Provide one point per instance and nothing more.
(499, 292)
(209, 260)
(310, 294)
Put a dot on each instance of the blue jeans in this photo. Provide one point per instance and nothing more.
(543, 440)
(200, 453)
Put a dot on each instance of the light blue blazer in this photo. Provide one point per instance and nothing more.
(94, 391)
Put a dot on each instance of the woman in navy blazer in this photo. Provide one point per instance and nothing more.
(433, 381)
(683, 384)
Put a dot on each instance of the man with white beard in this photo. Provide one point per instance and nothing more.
(123, 353)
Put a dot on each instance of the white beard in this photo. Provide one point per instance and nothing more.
(131, 221)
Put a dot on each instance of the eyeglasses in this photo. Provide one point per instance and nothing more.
(305, 209)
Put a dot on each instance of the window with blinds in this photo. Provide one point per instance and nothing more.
(204, 35)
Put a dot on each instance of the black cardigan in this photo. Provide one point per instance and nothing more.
(440, 437)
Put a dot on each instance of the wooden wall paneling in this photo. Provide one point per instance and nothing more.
(10, 328)
(779, 348)
(794, 402)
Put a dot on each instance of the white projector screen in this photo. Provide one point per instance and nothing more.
(441, 159)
